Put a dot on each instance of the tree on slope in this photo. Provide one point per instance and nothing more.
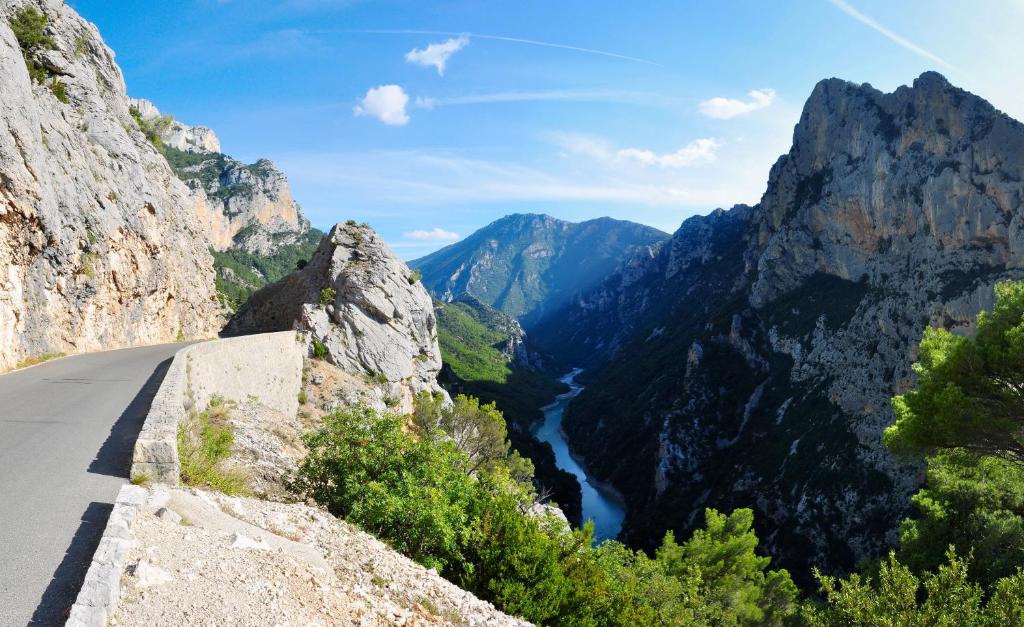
(970, 391)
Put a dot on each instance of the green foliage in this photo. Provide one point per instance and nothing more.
(970, 391)
(470, 335)
(415, 277)
(241, 273)
(476, 430)
(81, 44)
(974, 504)
(59, 90)
(28, 25)
(898, 597)
(732, 578)
(319, 349)
(327, 296)
(204, 445)
(153, 128)
(424, 496)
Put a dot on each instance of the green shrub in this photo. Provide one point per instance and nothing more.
(415, 277)
(327, 296)
(153, 128)
(204, 445)
(303, 398)
(59, 90)
(319, 349)
(81, 44)
(28, 25)
(417, 491)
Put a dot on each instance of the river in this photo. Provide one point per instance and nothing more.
(599, 503)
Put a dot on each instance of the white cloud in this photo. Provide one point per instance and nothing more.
(641, 98)
(727, 108)
(386, 103)
(696, 152)
(435, 234)
(437, 55)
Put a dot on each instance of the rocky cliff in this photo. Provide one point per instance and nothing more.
(363, 308)
(529, 265)
(100, 245)
(750, 360)
(250, 206)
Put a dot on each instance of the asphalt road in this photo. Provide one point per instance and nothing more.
(67, 429)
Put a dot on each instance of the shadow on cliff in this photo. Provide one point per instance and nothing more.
(114, 458)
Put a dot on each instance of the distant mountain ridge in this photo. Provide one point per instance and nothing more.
(750, 360)
(528, 265)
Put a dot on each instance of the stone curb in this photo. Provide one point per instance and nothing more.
(97, 599)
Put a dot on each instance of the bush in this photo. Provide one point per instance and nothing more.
(415, 277)
(28, 25)
(153, 128)
(204, 445)
(319, 349)
(59, 90)
(327, 296)
(417, 491)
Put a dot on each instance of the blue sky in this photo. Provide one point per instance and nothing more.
(431, 119)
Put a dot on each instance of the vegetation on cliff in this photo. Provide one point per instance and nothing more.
(475, 342)
(428, 498)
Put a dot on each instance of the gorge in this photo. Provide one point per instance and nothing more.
(600, 504)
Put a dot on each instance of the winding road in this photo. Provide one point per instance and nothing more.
(67, 429)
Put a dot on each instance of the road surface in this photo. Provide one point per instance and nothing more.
(67, 429)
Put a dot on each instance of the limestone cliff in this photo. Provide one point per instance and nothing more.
(100, 245)
(750, 361)
(363, 308)
(248, 206)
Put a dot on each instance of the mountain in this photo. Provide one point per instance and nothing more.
(527, 265)
(257, 230)
(750, 360)
(100, 244)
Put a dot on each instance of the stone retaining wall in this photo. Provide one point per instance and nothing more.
(266, 366)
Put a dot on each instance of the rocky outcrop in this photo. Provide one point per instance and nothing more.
(100, 245)
(530, 265)
(178, 135)
(764, 343)
(363, 309)
(248, 206)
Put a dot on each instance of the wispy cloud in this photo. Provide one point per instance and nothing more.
(386, 103)
(437, 55)
(419, 179)
(694, 153)
(516, 40)
(642, 98)
(436, 234)
(899, 40)
(728, 108)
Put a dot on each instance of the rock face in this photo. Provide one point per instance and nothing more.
(363, 309)
(100, 245)
(529, 265)
(750, 361)
(249, 206)
(178, 135)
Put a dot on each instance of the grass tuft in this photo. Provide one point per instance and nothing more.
(205, 441)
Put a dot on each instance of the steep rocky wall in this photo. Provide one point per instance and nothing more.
(362, 305)
(100, 246)
(767, 341)
(247, 206)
